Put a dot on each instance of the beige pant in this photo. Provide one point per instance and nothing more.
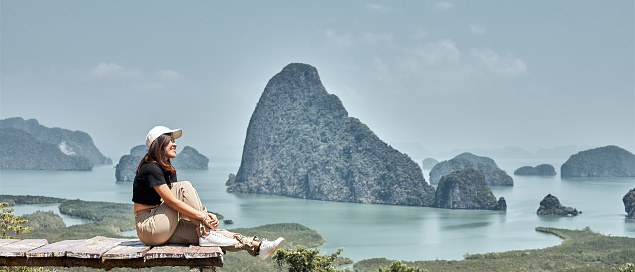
(164, 225)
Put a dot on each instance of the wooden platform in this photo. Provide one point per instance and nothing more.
(106, 253)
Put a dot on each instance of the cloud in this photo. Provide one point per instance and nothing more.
(438, 52)
(378, 8)
(335, 40)
(113, 69)
(347, 40)
(478, 30)
(372, 38)
(112, 76)
(506, 64)
(419, 35)
(168, 74)
(443, 5)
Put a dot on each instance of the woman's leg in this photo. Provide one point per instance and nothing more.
(244, 242)
(190, 229)
(155, 226)
(162, 224)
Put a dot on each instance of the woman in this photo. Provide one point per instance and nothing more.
(170, 211)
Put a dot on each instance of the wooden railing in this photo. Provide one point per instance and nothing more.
(106, 253)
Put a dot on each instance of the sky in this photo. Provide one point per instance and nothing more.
(441, 75)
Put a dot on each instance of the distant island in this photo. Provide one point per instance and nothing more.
(608, 161)
(494, 175)
(19, 150)
(70, 143)
(428, 163)
(540, 170)
(188, 158)
(301, 143)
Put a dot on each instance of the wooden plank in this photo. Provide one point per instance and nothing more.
(58, 249)
(171, 251)
(198, 252)
(19, 248)
(129, 249)
(108, 264)
(7, 241)
(94, 248)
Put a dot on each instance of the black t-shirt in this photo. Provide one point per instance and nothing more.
(150, 175)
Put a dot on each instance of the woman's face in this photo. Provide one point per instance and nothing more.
(170, 149)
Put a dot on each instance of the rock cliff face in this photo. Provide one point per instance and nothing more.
(125, 169)
(188, 158)
(608, 161)
(494, 175)
(540, 170)
(19, 150)
(73, 143)
(301, 143)
(466, 189)
(629, 203)
(550, 205)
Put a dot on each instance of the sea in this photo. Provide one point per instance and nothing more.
(367, 231)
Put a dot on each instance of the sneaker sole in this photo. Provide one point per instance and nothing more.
(276, 249)
(216, 245)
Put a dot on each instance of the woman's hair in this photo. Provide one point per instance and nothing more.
(156, 153)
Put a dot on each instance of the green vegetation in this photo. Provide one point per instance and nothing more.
(608, 161)
(398, 266)
(28, 199)
(11, 223)
(581, 250)
(306, 260)
(44, 220)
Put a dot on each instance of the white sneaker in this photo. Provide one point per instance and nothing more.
(216, 239)
(267, 248)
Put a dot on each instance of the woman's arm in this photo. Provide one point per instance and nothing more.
(164, 192)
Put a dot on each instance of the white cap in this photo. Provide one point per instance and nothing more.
(157, 131)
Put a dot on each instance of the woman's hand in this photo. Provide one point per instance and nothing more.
(211, 221)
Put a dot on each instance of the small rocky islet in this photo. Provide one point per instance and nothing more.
(540, 170)
(550, 205)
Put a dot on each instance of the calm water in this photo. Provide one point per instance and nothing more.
(369, 231)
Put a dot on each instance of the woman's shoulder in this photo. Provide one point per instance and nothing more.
(150, 167)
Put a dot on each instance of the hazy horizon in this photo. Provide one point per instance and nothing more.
(445, 75)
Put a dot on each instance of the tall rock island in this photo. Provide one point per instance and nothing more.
(466, 189)
(301, 143)
(608, 161)
(494, 175)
